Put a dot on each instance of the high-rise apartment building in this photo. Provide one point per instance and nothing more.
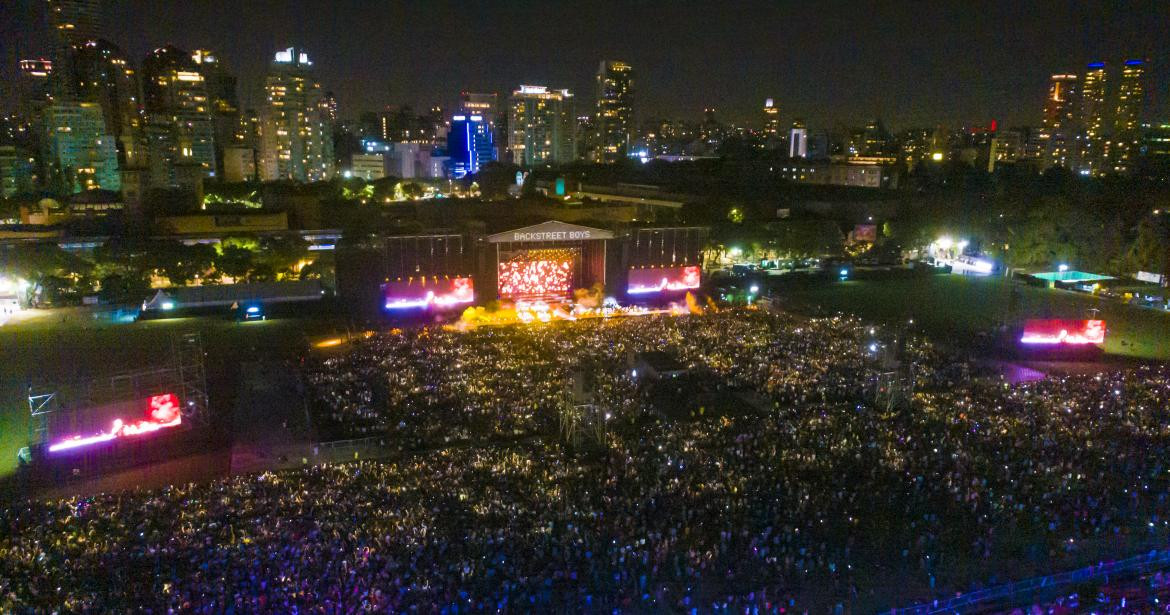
(1007, 146)
(178, 118)
(1093, 113)
(36, 88)
(615, 110)
(875, 140)
(104, 76)
(469, 144)
(541, 126)
(1061, 121)
(331, 107)
(1125, 142)
(72, 23)
(295, 139)
(222, 101)
(78, 152)
(75, 21)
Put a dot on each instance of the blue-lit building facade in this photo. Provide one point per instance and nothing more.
(469, 144)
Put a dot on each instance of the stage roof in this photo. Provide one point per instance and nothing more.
(552, 230)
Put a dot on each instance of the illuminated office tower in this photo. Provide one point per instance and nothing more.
(1061, 112)
(295, 141)
(178, 127)
(482, 104)
(771, 119)
(1092, 113)
(104, 77)
(541, 126)
(486, 105)
(469, 144)
(78, 152)
(1125, 141)
(615, 110)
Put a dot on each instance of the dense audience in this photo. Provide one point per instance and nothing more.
(820, 499)
(433, 386)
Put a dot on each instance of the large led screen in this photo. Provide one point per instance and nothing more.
(1053, 332)
(537, 273)
(157, 412)
(437, 293)
(663, 279)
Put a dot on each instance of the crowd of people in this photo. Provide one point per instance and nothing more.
(821, 499)
(434, 386)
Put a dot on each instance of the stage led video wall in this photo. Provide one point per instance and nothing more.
(545, 273)
(1057, 332)
(663, 279)
(155, 413)
(428, 292)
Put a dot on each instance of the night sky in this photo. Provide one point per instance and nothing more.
(832, 63)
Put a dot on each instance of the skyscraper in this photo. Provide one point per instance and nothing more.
(179, 129)
(75, 21)
(1125, 141)
(104, 77)
(222, 101)
(771, 120)
(875, 139)
(36, 89)
(1062, 109)
(469, 144)
(331, 107)
(1093, 128)
(485, 105)
(295, 140)
(72, 23)
(615, 110)
(80, 155)
(541, 126)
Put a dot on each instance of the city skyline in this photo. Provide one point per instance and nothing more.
(953, 66)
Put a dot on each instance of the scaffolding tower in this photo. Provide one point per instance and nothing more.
(192, 378)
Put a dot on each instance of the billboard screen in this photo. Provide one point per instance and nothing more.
(1053, 332)
(423, 292)
(139, 418)
(544, 273)
(663, 279)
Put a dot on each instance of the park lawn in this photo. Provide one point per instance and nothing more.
(67, 345)
(953, 307)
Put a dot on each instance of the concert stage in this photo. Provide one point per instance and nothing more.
(419, 275)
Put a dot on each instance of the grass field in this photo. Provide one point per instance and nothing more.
(67, 345)
(953, 307)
